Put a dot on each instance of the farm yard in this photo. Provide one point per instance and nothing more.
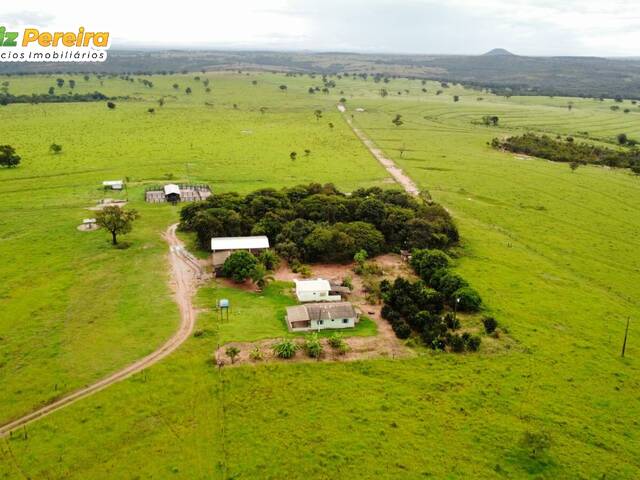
(551, 250)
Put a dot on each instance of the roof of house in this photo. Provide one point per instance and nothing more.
(317, 285)
(320, 311)
(171, 188)
(110, 183)
(239, 243)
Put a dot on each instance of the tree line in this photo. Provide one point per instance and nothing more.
(318, 223)
(570, 151)
(8, 98)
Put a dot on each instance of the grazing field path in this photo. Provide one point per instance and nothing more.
(185, 276)
(396, 172)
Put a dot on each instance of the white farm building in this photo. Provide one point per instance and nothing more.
(320, 316)
(222, 247)
(317, 290)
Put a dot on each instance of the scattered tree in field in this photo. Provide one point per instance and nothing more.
(307, 152)
(55, 148)
(490, 120)
(622, 138)
(60, 82)
(86, 78)
(397, 120)
(254, 82)
(318, 114)
(263, 110)
(8, 157)
(161, 102)
(239, 266)
(52, 91)
(72, 84)
(293, 156)
(456, 98)
(343, 100)
(188, 90)
(151, 110)
(285, 348)
(384, 92)
(330, 125)
(116, 220)
(283, 88)
(176, 86)
(111, 105)
(232, 352)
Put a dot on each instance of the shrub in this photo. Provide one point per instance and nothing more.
(335, 340)
(285, 348)
(473, 343)
(452, 321)
(490, 324)
(312, 346)
(232, 352)
(239, 266)
(456, 343)
(468, 299)
(269, 259)
(256, 354)
(346, 282)
(427, 262)
(401, 329)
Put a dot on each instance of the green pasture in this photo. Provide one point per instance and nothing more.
(552, 252)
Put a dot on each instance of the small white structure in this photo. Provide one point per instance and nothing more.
(113, 184)
(89, 221)
(222, 247)
(359, 109)
(172, 192)
(321, 316)
(317, 290)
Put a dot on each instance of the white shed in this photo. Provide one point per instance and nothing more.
(113, 184)
(222, 247)
(317, 290)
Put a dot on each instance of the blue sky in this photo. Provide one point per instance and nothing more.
(527, 27)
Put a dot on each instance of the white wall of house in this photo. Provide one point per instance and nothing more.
(317, 296)
(334, 323)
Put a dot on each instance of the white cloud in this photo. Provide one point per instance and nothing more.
(571, 27)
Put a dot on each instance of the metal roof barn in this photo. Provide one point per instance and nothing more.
(239, 243)
(171, 188)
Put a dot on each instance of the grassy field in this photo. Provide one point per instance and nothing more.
(553, 253)
(257, 316)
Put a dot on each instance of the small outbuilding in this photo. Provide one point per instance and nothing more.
(222, 247)
(113, 184)
(172, 193)
(317, 290)
(321, 316)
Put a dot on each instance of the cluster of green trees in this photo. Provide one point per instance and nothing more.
(414, 307)
(7, 98)
(318, 223)
(558, 150)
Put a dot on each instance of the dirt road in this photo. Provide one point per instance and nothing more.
(185, 274)
(396, 172)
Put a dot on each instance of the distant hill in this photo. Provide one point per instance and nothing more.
(498, 52)
(498, 70)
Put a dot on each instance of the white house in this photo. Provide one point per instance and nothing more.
(320, 316)
(113, 184)
(317, 290)
(222, 247)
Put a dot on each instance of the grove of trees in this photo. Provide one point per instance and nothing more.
(318, 223)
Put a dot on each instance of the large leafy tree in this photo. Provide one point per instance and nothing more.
(116, 220)
(8, 157)
(239, 266)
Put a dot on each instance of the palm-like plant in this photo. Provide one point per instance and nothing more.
(261, 276)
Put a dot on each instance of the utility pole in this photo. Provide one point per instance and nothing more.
(626, 333)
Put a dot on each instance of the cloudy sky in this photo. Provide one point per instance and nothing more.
(527, 27)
